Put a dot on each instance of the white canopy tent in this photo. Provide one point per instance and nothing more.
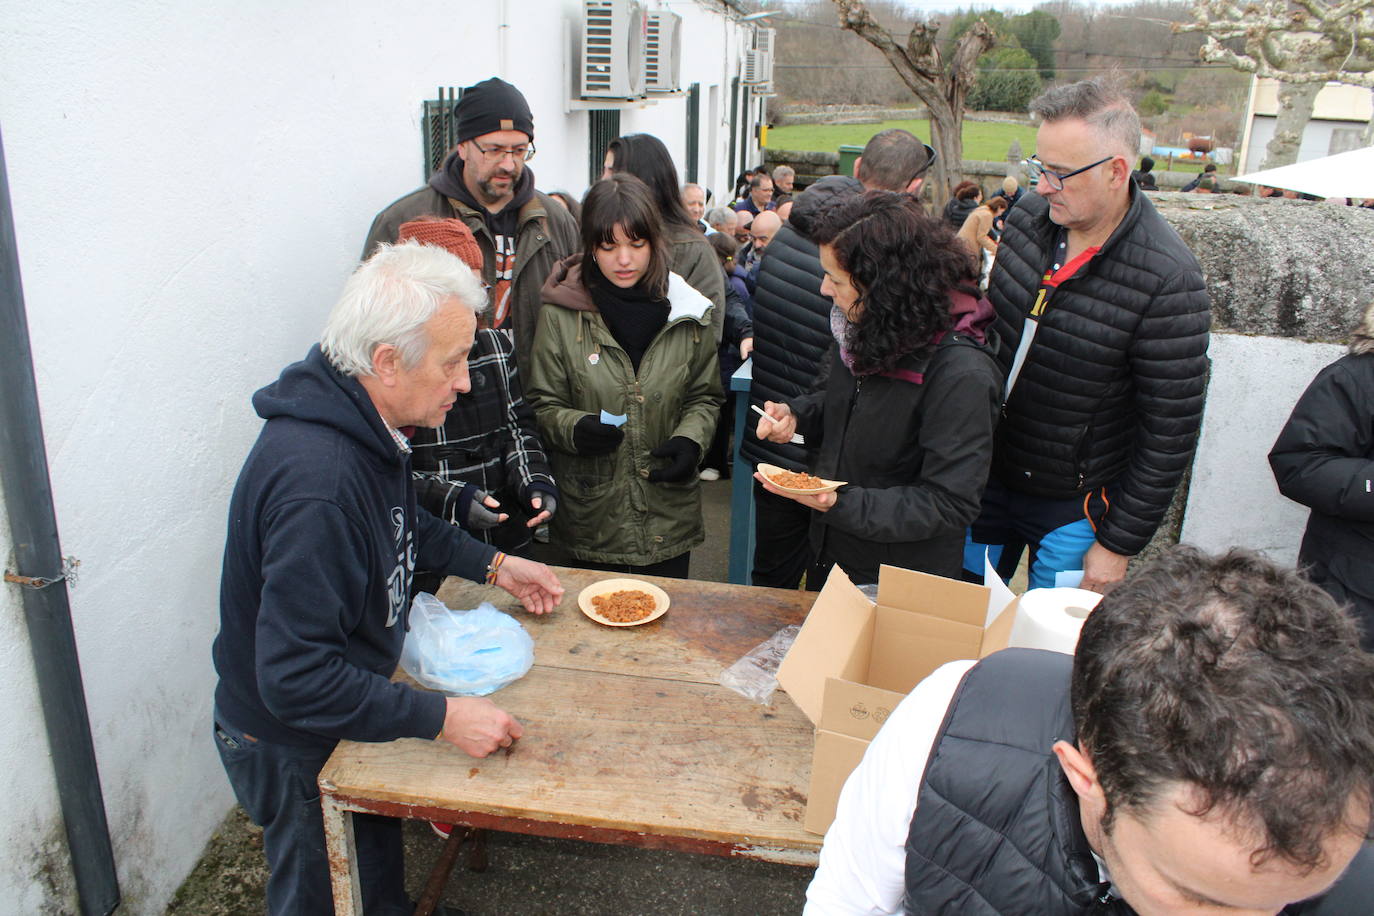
(1349, 174)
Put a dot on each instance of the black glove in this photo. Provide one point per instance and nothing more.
(547, 496)
(682, 454)
(591, 437)
(473, 513)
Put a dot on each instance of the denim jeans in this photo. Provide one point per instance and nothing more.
(276, 785)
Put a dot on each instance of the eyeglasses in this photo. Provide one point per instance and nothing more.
(930, 160)
(497, 153)
(1054, 179)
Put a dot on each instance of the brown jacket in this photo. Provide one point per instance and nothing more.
(547, 234)
(974, 232)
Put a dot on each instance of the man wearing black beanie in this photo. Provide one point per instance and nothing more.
(485, 183)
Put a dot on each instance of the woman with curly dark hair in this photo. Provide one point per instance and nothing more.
(907, 412)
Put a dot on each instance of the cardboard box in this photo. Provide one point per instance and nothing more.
(854, 660)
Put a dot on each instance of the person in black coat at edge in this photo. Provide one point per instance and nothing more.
(791, 338)
(907, 413)
(1324, 459)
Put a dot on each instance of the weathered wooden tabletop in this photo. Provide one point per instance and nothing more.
(628, 736)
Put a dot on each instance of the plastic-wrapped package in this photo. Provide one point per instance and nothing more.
(464, 653)
(756, 674)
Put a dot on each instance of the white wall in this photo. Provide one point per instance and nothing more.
(1233, 500)
(192, 184)
(1316, 140)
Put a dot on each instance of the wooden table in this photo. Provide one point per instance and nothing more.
(628, 739)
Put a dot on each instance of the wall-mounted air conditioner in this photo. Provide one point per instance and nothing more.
(662, 51)
(766, 40)
(758, 61)
(612, 49)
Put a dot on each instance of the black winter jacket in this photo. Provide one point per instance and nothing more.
(956, 211)
(1015, 845)
(1111, 392)
(1324, 459)
(915, 457)
(791, 337)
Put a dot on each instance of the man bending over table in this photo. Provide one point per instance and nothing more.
(324, 537)
(1210, 749)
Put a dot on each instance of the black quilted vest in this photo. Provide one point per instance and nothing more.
(997, 830)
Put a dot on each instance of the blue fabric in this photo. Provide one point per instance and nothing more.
(1058, 532)
(1059, 550)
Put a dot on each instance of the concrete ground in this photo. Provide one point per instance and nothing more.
(532, 875)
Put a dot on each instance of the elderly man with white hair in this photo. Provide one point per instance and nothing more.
(323, 541)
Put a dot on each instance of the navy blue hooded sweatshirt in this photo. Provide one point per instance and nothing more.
(324, 535)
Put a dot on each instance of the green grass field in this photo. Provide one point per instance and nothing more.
(982, 139)
(986, 140)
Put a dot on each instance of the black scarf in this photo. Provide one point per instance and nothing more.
(448, 181)
(634, 316)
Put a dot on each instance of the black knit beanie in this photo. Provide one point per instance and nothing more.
(490, 106)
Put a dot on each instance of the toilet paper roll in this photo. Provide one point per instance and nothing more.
(1050, 618)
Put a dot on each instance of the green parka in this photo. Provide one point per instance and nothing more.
(610, 512)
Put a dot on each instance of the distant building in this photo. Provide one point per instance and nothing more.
(1339, 119)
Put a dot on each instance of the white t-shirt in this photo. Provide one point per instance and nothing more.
(863, 860)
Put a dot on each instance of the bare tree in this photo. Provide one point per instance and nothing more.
(942, 85)
(1301, 43)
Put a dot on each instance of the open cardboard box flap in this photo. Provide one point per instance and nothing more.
(829, 640)
(854, 660)
(919, 623)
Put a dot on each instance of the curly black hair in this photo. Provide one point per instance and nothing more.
(1238, 680)
(904, 264)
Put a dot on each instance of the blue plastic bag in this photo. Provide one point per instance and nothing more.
(464, 653)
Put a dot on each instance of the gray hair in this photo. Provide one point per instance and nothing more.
(783, 171)
(693, 184)
(716, 216)
(1362, 338)
(1101, 104)
(390, 298)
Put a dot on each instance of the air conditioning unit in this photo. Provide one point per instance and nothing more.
(662, 51)
(758, 61)
(612, 49)
(766, 40)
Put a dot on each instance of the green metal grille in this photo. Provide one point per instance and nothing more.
(603, 127)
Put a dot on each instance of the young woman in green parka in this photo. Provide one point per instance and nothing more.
(621, 336)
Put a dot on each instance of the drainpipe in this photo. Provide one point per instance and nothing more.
(40, 578)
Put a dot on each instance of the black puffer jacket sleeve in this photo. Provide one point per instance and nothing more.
(1168, 360)
(1324, 458)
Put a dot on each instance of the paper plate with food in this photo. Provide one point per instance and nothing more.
(623, 602)
(798, 482)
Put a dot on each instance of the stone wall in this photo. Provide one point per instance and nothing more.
(1277, 267)
(1288, 280)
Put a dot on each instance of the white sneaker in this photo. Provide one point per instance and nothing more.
(709, 474)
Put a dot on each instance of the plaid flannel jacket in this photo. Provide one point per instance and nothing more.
(488, 439)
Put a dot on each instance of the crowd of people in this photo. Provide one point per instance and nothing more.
(512, 376)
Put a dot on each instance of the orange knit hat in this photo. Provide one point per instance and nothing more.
(452, 235)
